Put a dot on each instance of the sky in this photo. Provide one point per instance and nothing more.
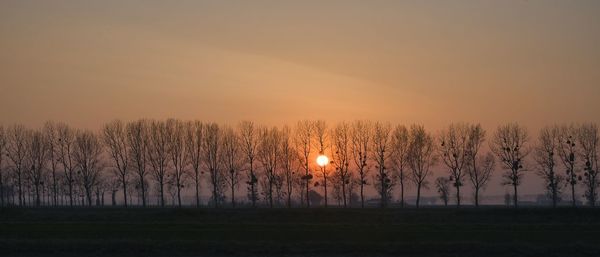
(275, 62)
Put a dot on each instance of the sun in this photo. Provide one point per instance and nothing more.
(322, 160)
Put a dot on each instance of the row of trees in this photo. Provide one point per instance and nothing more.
(147, 160)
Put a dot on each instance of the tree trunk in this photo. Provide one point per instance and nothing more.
(307, 187)
(71, 194)
(143, 187)
(178, 194)
(162, 193)
(197, 189)
(515, 197)
(457, 195)
(344, 191)
(554, 196)
(1, 191)
(270, 193)
(418, 194)
(401, 191)
(232, 194)
(362, 196)
(54, 188)
(252, 189)
(21, 200)
(37, 194)
(325, 185)
(383, 194)
(572, 191)
(124, 181)
(88, 194)
(476, 196)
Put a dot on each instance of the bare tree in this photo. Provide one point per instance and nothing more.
(479, 169)
(159, 155)
(341, 155)
(321, 134)
(510, 145)
(289, 163)
(481, 175)
(361, 141)
(567, 152)
(249, 141)
(380, 145)
(421, 157)
(37, 150)
(195, 135)
(303, 140)
(51, 135)
(114, 136)
(179, 156)
(442, 185)
(453, 147)
(212, 160)
(66, 149)
(399, 158)
(137, 139)
(233, 162)
(544, 155)
(588, 139)
(88, 157)
(269, 154)
(17, 154)
(3, 196)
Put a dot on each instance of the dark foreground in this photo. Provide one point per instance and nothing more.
(299, 232)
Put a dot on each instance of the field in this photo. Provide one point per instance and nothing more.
(300, 232)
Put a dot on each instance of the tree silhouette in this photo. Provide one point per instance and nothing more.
(567, 149)
(303, 140)
(268, 155)
(341, 157)
(289, 163)
(479, 169)
(87, 156)
(37, 150)
(361, 141)
(213, 161)
(453, 148)
(51, 136)
(115, 140)
(137, 138)
(544, 156)
(321, 135)
(380, 154)
(3, 184)
(510, 145)
(233, 162)
(179, 154)
(194, 139)
(66, 146)
(442, 185)
(159, 154)
(17, 154)
(249, 138)
(421, 157)
(589, 140)
(399, 158)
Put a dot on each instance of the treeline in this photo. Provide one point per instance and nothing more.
(152, 161)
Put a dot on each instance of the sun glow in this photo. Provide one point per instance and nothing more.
(322, 160)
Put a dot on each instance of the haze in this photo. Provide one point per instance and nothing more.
(274, 62)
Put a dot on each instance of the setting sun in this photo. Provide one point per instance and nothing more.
(322, 160)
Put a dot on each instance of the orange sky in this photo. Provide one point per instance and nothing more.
(429, 62)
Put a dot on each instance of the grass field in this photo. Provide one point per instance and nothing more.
(300, 232)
